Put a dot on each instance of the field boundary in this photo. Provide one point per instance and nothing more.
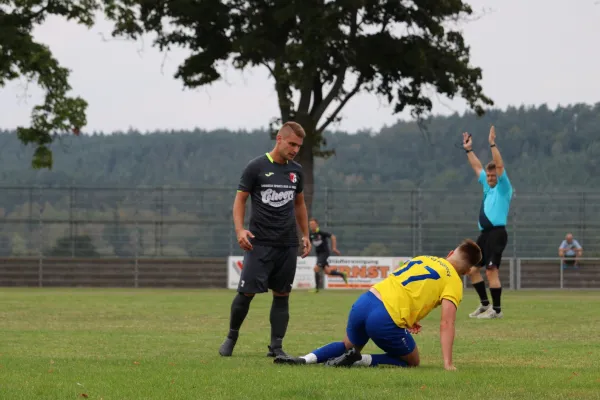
(212, 272)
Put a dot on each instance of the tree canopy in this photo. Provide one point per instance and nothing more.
(22, 57)
(319, 53)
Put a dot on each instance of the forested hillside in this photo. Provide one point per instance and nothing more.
(551, 150)
(543, 149)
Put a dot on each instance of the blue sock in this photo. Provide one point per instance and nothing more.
(377, 359)
(328, 351)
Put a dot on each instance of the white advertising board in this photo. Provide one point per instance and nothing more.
(363, 272)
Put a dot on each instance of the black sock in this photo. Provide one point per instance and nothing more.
(496, 293)
(279, 320)
(480, 288)
(338, 273)
(239, 310)
(317, 278)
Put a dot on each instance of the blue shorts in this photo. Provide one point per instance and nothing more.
(369, 319)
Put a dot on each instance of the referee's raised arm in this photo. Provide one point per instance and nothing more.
(496, 153)
(473, 160)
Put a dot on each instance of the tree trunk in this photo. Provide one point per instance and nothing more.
(306, 158)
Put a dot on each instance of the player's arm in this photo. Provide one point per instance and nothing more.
(239, 210)
(496, 153)
(302, 221)
(334, 244)
(447, 331)
(473, 160)
(247, 182)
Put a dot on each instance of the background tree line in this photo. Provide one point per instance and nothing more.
(368, 192)
(544, 149)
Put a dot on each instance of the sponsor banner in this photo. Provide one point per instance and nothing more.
(363, 272)
(305, 275)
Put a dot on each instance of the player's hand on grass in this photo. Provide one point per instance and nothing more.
(467, 141)
(492, 137)
(242, 238)
(306, 246)
(337, 252)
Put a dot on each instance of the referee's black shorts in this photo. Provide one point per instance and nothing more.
(268, 267)
(492, 243)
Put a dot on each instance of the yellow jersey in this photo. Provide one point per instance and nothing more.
(417, 287)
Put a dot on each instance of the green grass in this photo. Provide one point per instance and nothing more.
(162, 344)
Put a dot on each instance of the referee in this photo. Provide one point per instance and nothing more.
(493, 214)
(275, 184)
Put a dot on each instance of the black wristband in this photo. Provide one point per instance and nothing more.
(493, 145)
(468, 151)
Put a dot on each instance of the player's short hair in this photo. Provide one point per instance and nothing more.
(470, 252)
(490, 166)
(296, 128)
(314, 219)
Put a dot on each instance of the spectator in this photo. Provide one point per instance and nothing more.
(570, 251)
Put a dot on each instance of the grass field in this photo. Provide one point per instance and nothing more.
(162, 344)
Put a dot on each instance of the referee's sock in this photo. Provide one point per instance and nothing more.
(496, 293)
(317, 280)
(480, 288)
(279, 319)
(239, 310)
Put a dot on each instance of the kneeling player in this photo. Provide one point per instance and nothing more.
(318, 239)
(391, 310)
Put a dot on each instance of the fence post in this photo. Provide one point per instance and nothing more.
(31, 242)
(582, 218)
(40, 239)
(413, 221)
(562, 276)
(136, 240)
(162, 209)
(419, 221)
(327, 205)
(513, 260)
(71, 231)
(518, 274)
(512, 274)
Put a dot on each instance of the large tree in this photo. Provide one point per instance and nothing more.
(322, 51)
(22, 57)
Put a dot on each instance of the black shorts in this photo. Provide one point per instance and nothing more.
(322, 260)
(492, 244)
(267, 267)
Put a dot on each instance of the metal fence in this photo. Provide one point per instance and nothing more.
(167, 222)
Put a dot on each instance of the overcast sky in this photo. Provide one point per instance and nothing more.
(531, 52)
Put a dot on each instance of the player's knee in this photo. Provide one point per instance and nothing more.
(242, 300)
(348, 343)
(316, 268)
(474, 272)
(413, 359)
(414, 362)
(280, 294)
(328, 270)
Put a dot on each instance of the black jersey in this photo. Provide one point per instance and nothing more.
(273, 188)
(319, 241)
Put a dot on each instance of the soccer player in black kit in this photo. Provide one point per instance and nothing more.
(318, 239)
(275, 183)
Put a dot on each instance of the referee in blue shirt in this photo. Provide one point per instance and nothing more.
(497, 194)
